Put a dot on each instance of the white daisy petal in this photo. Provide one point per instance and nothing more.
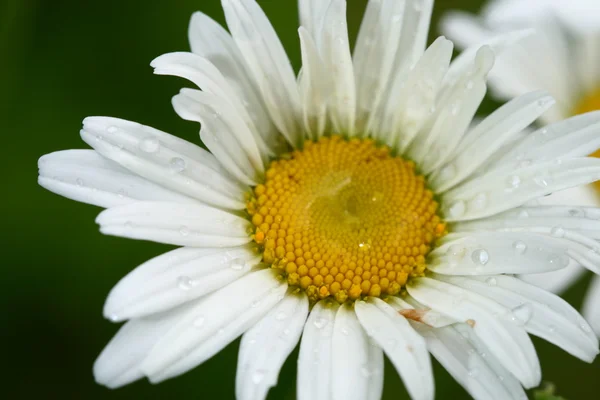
(120, 361)
(268, 63)
(405, 348)
(212, 323)
(163, 159)
(491, 253)
(490, 135)
(591, 305)
(86, 176)
(412, 99)
(539, 312)
(575, 137)
(335, 51)
(508, 188)
(211, 41)
(314, 380)
(206, 76)
(193, 225)
(556, 281)
(507, 341)
(222, 131)
(466, 358)
(356, 362)
(175, 278)
(314, 88)
(312, 14)
(374, 55)
(267, 344)
(415, 28)
(456, 108)
(586, 195)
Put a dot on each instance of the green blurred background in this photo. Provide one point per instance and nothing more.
(62, 60)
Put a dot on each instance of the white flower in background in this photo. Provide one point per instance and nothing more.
(307, 219)
(563, 58)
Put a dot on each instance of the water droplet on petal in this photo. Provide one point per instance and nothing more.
(479, 202)
(491, 281)
(121, 193)
(473, 372)
(574, 212)
(177, 164)
(238, 264)
(184, 230)
(523, 214)
(112, 129)
(280, 316)
(320, 322)
(184, 282)
(258, 376)
(113, 318)
(199, 321)
(522, 314)
(480, 256)
(557, 231)
(345, 330)
(541, 181)
(520, 247)
(457, 209)
(255, 304)
(514, 181)
(79, 182)
(149, 144)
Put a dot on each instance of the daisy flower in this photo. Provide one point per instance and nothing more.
(351, 207)
(562, 57)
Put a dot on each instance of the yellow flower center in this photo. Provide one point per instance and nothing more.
(344, 219)
(590, 102)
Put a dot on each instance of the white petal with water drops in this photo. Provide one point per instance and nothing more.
(267, 344)
(536, 181)
(268, 64)
(539, 312)
(212, 323)
(120, 362)
(491, 253)
(148, 153)
(507, 341)
(177, 277)
(86, 176)
(357, 363)
(591, 305)
(314, 380)
(468, 360)
(405, 348)
(194, 225)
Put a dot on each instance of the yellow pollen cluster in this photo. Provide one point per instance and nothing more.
(344, 219)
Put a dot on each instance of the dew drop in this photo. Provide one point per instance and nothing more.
(469, 85)
(199, 321)
(473, 372)
(574, 212)
(365, 370)
(177, 164)
(320, 322)
(238, 264)
(520, 247)
(121, 193)
(557, 231)
(552, 328)
(448, 172)
(184, 282)
(524, 163)
(541, 181)
(457, 209)
(514, 181)
(113, 318)
(479, 201)
(149, 145)
(79, 182)
(522, 314)
(480, 256)
(280, 316)
(491, 281)
(258, 376)
(523, 214)
(112, 129)
(184, 230)
(345, 330)
(128, 224)
(255, 304)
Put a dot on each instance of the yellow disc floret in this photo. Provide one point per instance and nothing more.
(344, 219)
